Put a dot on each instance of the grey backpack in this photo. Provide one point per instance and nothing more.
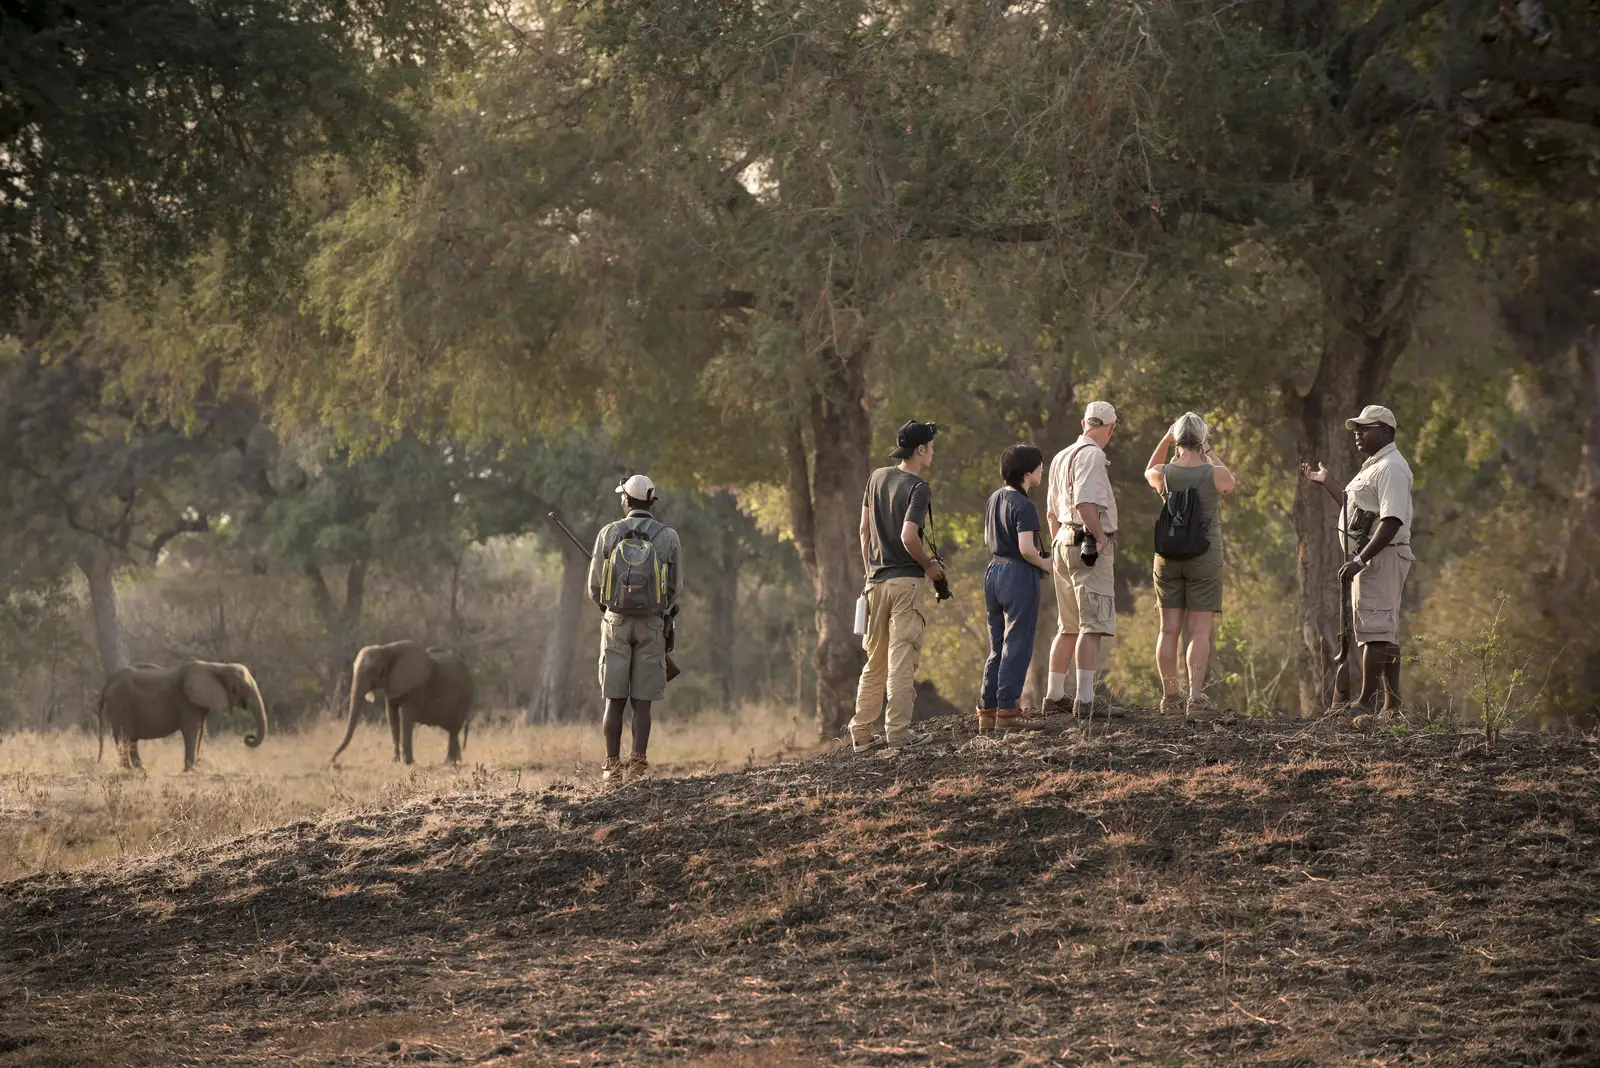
(633, 579)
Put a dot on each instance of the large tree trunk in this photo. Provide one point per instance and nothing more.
(825, 510)
(724, 603)
(99, 566)
(1365, 326)
(1575, 582)
(1058, 429)
(566, 629)
(355, 593)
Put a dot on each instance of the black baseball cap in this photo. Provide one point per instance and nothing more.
(912, 436)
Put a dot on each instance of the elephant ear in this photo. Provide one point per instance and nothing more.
(411, 668)
(201, 685)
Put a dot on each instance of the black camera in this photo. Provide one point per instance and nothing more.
(941, 586)
(1090, 551)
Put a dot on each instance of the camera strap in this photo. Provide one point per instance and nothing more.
(1072, 508)
(927, 534)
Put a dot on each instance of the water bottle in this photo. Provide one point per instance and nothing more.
(861, 615)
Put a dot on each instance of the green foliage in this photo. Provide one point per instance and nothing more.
(85, 463)
(133, 135)
(1490, 672)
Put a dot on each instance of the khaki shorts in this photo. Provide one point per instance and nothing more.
(1085, 596)
(633, 657)
(1191, 585)
(1376, 595)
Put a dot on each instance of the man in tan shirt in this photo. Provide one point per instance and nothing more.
(1378, 503)
(1080, 504)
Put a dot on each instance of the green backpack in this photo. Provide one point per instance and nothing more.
(633, 579)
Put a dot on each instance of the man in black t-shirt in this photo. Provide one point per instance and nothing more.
(894, 516)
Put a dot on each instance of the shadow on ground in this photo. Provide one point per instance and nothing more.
(1269, 893)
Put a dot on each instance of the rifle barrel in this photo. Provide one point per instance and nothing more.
(582, 548)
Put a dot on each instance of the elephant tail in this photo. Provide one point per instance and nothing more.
(466, 729)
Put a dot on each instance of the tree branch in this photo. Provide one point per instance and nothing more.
(1364, 42)
(199, 525)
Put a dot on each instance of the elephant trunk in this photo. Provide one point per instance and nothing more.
(259, 707)
(358, 686)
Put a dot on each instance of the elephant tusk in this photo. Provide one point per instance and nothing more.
(371, 696)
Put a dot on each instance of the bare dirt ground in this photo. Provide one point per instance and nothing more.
(1270, 893)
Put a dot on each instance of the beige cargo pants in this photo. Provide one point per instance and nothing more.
(633, 657)
(895, 622)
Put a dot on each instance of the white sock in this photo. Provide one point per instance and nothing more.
(1085, 686)
(1057, 687)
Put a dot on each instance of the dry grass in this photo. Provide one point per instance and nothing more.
(60, 809)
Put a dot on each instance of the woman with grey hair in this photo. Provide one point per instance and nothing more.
(1190, 589)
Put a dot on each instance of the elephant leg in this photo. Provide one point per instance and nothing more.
(454, 755)
(133, 754)
(123, 745)
(394, 729)
(408, 727)
(191, 747)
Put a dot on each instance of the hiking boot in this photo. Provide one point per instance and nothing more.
(636, 768)
(611, 768)
(1057, 706)
(1100, 708)
(909, 740)
(985, 720)
(1014, 719)
(1173, 704)
(875, 742)
(1201, 706)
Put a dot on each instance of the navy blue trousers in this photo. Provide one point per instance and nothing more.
(1011, 596)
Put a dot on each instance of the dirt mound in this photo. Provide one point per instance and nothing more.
(1264, 894)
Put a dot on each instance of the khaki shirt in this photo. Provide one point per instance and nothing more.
(1383, 485)
(668, 549)
(1090, 484)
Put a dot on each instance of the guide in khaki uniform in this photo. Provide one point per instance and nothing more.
(1377, 503)
(635, 575)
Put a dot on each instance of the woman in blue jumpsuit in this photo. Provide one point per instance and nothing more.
(1011, 588)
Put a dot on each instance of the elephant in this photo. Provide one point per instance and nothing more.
(420, 684)
(147, 701)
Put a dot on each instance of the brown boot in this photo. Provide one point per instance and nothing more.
(637, 767)
(611, 768)
(1060, 706)
(986, 720)
(1014, 719)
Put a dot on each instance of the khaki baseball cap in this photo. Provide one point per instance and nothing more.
(1102, 411)
(1372, 413)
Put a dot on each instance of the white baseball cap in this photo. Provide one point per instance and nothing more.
(1102, 411)
(638, 487)
(1372, 413)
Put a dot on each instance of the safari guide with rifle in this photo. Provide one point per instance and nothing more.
(1375, 527)
(895, 513)
(635, 575)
